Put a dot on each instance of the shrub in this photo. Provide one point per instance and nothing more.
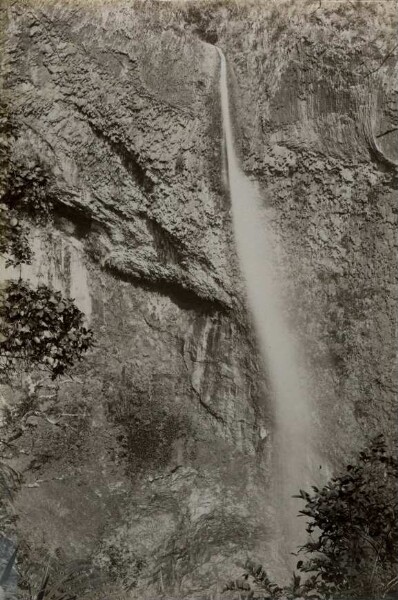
(352, 551)
(355, 554)
(28, 191)
(14, 238)
(40, 328)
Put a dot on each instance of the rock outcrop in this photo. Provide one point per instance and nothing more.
(150, 467)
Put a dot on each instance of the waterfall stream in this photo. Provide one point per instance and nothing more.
(293, 449)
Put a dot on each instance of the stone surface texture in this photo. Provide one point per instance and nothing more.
(152, 462)
(321, 137)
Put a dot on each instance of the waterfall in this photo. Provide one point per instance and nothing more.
(295, 456)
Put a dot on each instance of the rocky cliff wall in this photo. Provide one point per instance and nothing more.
(321, 138)
(151, 464)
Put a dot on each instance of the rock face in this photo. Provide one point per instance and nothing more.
(322, 140)
(152, 463)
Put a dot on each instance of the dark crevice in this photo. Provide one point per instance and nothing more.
(385, 164)
(166, 246)
(387, 132)
(208, 408)
(210, 37)
(184, 297)
(81, 220)
(128, 157)
(170, 248)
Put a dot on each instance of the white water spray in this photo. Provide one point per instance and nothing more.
(293, 448)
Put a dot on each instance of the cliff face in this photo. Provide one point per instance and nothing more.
(152, 463)
(321, 137)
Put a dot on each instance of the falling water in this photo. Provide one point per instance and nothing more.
(294, 453)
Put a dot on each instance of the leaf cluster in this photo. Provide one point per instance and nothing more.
(25, 186)
(24, 192)
(38, 327)
(41, 328)
(28, 191)
(352, 549)
(14, 238)
(5, 133)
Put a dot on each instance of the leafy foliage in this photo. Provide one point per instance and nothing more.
(352, 551)
(24, 192)
(14, 239)
(38, 327)
(41, 328)
(28, 191)
(5, 132)
(356, 552)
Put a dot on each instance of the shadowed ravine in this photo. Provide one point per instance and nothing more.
(295, 455)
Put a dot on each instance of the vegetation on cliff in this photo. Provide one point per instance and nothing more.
(38, 326)
(40, 329)
(352, 550)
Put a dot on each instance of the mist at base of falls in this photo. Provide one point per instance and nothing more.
(294, 452)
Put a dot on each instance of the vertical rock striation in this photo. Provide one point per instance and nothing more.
(321, 138)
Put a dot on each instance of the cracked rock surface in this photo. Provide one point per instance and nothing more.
(150, 467)
(321, 138)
